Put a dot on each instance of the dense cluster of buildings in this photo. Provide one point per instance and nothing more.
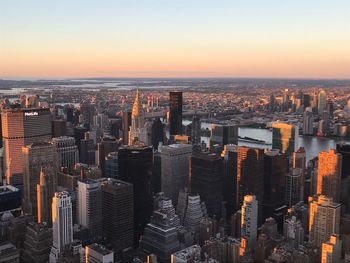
(80, 185)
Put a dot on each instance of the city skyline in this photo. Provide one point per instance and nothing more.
(175, 39)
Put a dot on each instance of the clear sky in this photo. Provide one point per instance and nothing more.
(175, 38)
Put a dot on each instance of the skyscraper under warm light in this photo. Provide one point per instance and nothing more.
(329, 174)
(285, 137)
(175, 114)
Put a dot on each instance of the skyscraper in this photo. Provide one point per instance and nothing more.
(175, 113)
(87, 151)
(294, 186)
(89, 202)
(284, 137)
(324, 219)
(68, 153)
(111, 169)
(206, 179)
(250, 174)
(126, 123)
(322, 101)
(157, 133)
(329, 174)
(196, 129)
(117, 214)
(62, 224)
(275, 169)
(96, 253)
(308, 122)
(138, 131)
(293, 231)
(344, 150)
(21, 127)
(38, 157)
(175, 169)
(135, 166)
(332, 250)
(221, 135)
(43, 198)
(249, 222)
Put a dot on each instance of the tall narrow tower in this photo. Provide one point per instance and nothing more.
(43, 199)
(175, 114)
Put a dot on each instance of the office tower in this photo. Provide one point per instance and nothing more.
(70, 114)
(299, 159)
(111, 168)
(174, 169)
(182, 204)
(329, 174)
(272, 103)
(160, 236)
(59, 128)
(135, 166)
(308, 122)
(175, 113)
(331, 250)
(286, 100)
(275, 169)
(107, 145)
(87, 111)
(250, 174)
(10, 198)
(21, 127)
(249, 222)
(206, 179)
(43, 199)
(293, 231)
(96, 253)
(193, 213)
(229, 154)
(62, 224)
(324, 219)
(322, 101)
(157, 133)
(285, 137)
(294, 187)
(79, 134)
(206, 229)
(38, 157)
(344, 150)
(196, 129)
(89, 197)
(126, 123)
(137, 131)
(101, 121)
(117, 214)
(221, 135)
(38, 240)
(87, 151)
(68, 154)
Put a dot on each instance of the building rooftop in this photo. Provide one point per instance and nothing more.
(99, 249)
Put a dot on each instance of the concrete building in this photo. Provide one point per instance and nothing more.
(9, 253)
(111, 167)
(293, 187)
(324, 219)
(285, 137)
(221, 135)
(332, 250)
(329, 174)
(68, 154)
(96, 253)
(174, 169)
(249, 222)
(89, 203)
(308, 122)
(293, 231)
(21, 127)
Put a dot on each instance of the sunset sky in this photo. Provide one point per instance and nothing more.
(175, 38)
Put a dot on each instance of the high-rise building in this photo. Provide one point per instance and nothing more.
(157, 133)
(107, 145)
(293, 231)
(59, 128)
(43, 199)
(293, 186)
(38, 157)
(89, 197)
(285, 137)
(21, 127)
(9, 253)
(308, 122)
(332, 250)
(322, 101)
(138, 131)
(196, 129)
(111, 169)
(193, 213)
(68, 154)
(329, 174)
(275, 169)
(96, 253)
(62, 224)
(175, 113)
(249, 222)
(126, 123)
(221, 135)
(87, 151)
(344, 150)
(324, 219)
(10, 198)
(206, 179)
(135, 166)
(117, 214)
(160, 236)
(87, 111)
(250, 174)
(174, 169)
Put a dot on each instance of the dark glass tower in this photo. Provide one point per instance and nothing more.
(135, 166)
(344, 150)
(175, 115)
(157, 133)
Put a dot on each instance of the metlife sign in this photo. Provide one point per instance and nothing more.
(29, 114)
